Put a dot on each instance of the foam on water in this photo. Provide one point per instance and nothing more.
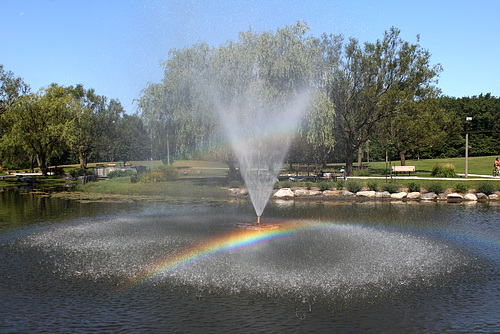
(302, 258)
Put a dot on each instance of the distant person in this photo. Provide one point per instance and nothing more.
(496, 171)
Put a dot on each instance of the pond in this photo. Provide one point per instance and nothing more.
(195, 266)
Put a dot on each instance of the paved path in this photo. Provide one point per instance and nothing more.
(471, 177)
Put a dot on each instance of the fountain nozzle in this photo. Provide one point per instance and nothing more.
(258, 220)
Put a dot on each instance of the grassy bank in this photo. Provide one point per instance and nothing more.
(184, 187)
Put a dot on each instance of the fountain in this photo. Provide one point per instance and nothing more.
(260, 132)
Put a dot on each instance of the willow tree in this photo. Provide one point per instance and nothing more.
(369, 83)
(173, 111)
(182, 108)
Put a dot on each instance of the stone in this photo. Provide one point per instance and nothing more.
(284, 192)
(301, 192)
(366, 193)
(314, 192)
(442, 197)
(346, 193)
(428, 196)
(454, 197)
(493, 197)
(413, 195)
(238, 191)
(481, 196)
(399, 195)
(470, 197)
(383, 194)
(330, 193)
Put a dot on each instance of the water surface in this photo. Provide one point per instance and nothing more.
(344, 267)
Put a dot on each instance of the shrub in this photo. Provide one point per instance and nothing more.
(285, 184)
(486, 188)
(309, 185)
(324, 186)
(353, 186)
(413, 186)
(435, 187)
(121, 173)
(340, 184)
(59, 171)
(460, 188)
(440, 170)
(161, 174)
(373, 185)
(390, 187)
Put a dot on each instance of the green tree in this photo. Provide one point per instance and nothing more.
(419, 126)
(38, 123)
(12, 88)
(82, 131)
(367, 84)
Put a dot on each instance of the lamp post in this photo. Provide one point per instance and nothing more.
(467, 120)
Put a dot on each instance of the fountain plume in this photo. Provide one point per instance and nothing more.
(260, 132)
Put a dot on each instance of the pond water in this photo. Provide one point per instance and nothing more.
(192, 266)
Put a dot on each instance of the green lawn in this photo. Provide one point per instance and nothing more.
(477, 165)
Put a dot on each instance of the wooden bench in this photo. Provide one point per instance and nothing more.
(403, 169)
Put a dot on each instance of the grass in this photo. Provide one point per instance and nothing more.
(184, 187)
(477, 165)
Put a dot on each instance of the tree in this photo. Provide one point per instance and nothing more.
(38, 123)
(12, 88)
(82, 131)
(367, 84)
(419, 126)
(131, 141)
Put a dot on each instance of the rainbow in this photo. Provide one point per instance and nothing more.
(235, 240)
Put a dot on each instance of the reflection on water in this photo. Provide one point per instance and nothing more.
(163, 267)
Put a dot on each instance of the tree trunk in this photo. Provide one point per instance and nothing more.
(168, 151)
(403, 159)
(348, 162)
(81, 159)
(360, 157)
(233, 173)
(42, 163)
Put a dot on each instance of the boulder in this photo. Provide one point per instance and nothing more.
(383, 194)
(366, 193)
(454, 197)
(301, 192)
(442, 197)
(330, 193)
(346, 193)
(428, 196)
(238, 191)
(399, 195)
(314, 192)
(493, 197)
(284, 192)
(470, 197)
(413, 195)
(481, 196)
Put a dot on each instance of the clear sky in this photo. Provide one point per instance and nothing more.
(115, 46)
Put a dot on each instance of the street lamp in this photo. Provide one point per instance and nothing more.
(467, 120)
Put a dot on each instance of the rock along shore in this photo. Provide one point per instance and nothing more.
(303, 193)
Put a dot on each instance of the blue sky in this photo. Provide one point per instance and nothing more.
(115, 46)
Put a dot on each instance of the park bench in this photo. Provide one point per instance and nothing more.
(403, 169)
